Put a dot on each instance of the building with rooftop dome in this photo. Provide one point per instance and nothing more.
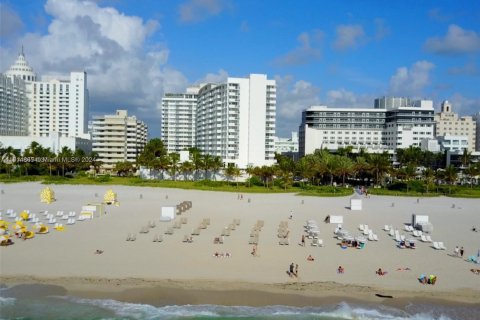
(449, 123)
(55, 104)
(52, 112)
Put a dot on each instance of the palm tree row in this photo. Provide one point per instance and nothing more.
(37, 160)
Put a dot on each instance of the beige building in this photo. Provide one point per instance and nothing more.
(118, 138)
(449, 123)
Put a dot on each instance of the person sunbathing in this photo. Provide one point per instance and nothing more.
(380, 272)
(98, 251)
(475, 271)
(404, 269)
(310, 258)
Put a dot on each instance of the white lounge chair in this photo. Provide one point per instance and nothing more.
(392, 232)
(442, 246)
(370, 237)
(423, 238)
(375, 237)
(402, 237)
(429, 239)
(386, 228)
(436, 246)
(361, 227)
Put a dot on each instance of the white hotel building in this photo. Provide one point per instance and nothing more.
(179, 119)
(234, 120)
(118, 138)
(55, 104)
(386, 128)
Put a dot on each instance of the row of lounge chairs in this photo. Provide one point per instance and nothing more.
(313, 232)
(184, 206)
(255, 233)
(283, 233)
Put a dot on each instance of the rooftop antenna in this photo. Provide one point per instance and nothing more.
(22, 51)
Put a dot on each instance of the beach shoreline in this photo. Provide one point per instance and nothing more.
(234, 293)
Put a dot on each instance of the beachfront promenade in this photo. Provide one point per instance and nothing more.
(71, 253)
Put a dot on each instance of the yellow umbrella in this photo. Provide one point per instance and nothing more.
(110, 197)
(24, 215)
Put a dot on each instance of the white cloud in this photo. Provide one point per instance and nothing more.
(10, 22)
(305, 53)
(293, 97)
(346, 99)
(456, 41)
(111, 46)
(219, 77)
(349, 37)
(199, 10)
(464, 105)
(469, 69)
(411, 82)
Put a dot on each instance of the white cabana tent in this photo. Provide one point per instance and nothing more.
(335, 219)
(421, 222)
(355, 203)
(168, 213)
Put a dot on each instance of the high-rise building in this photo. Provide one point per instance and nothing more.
(407, 126)
(373, 129)
(55, 104)
(449, 123)
(118, 138)
(179, 119)
(13, 106)
(234, 120)
(333, 128)
(476, 118)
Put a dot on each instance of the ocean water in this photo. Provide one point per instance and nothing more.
(69, 307)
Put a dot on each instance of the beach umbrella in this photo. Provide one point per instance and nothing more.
(24, 215)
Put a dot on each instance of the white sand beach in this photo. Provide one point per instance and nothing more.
(59, 256)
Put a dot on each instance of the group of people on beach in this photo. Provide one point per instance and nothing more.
(431, 279)
(458, 252)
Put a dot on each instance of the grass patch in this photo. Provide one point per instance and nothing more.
(397, 189)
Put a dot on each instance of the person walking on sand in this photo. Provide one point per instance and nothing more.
(296, 270)
(303, 240)
(456, 251)
(461, 252)
(291, 215)
(291, 269)
(254, 250)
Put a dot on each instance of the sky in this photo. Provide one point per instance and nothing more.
(334, 53)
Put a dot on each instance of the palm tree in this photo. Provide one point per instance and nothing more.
(196, 158)
(285, 169)
(428, 176)
(124, 168)
(344, 167)
(186, 168)
(379, 164)
(215, 165)
(174, 158)
(326, 163)
(471, 172)
(232, 171)
(451, 176)
(360, 167)
(466, 157)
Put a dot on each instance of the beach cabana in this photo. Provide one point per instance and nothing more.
(168, 213)
(335, 219)
(356, 203)
(47, 195)
(421, 222)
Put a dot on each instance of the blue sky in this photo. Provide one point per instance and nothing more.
(338, 53)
